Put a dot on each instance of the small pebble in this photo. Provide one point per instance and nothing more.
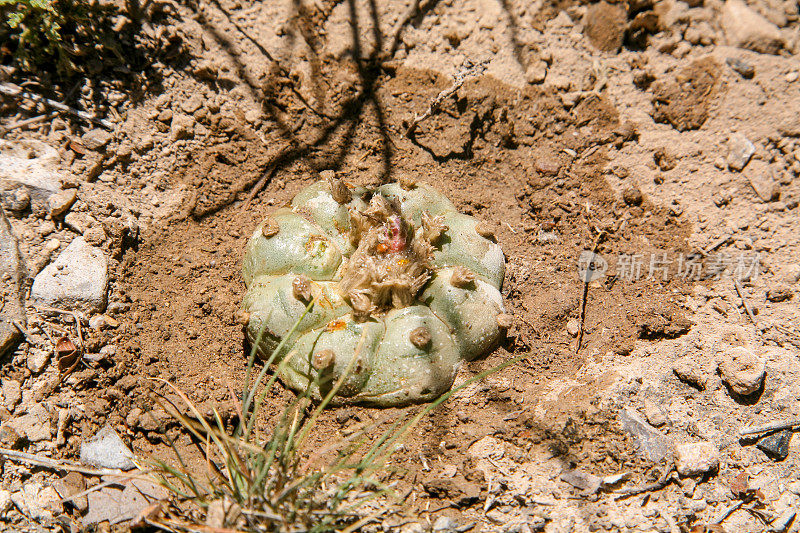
(779, 293)
(696, 458)
(776, 445)
(573, 327)
(37, 360)
(740, 150)
(688, 370)
(60, 202)
(632, 196)
(742, 370)
(654, 413)
(96, 139)
(743, 68)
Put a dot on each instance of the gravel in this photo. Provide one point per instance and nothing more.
(106, 450)
(77, 279)
(695, 459)
(742, 370)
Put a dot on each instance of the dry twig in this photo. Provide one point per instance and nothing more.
(68, 466)
(747, 308)
(469, 70)
(29, 121)
(662, 482)
(15, 90)
(727, 512)
(585, 294)
(770, 426)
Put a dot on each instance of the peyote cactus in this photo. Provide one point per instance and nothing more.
(404, 289)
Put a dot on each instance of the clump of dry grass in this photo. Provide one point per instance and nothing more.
(267, 481)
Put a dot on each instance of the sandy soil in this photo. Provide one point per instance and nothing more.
(617, 120)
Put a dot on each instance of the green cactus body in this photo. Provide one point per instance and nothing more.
(404, 288)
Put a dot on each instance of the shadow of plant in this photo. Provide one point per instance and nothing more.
(319, 130)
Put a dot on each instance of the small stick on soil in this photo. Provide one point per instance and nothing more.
(15, 90)
(585, 295)
(77, 316)
(262, 182)
(769, 426)
(66, 466)
(650, 487)
(29, 121)
(745, 302)
(716, 244)
(727, 512)
(468, 71)
(22, 329)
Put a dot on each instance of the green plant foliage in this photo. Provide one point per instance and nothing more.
(42, 34)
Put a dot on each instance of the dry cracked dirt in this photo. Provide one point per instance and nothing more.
(661, 135)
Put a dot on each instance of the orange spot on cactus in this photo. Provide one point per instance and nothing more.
(335, 325)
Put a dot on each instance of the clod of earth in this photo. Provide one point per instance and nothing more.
(401, 288)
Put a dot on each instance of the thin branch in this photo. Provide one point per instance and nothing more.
(585, 295)
(469, 70)
(29, 121)
(15, 90)
(727, 512)
(769, 426)
(67, 466)
(747, 308)
(663, 481)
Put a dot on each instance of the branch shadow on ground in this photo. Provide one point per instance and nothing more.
(330, 140)
(329, 143)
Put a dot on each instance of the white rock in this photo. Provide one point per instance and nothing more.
(742, 370)
(108, 351)
(106, 450)
(37, 360)
(444, 524)
(762, 179)
(573, 327)
(5, 501)
(487, 448)
(740, 150)
(12, 392)
(696, 458)
(77, 279)
(33, 164)
(96, 139)
(37, 502)
(745, 28)
(35, 424)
